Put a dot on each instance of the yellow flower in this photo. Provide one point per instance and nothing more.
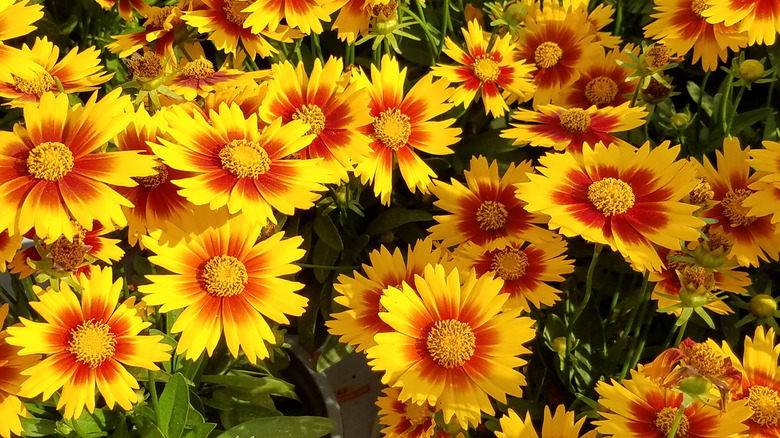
(559, 425)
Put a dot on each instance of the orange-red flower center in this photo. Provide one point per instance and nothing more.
(43, 82)
(224, 276)
(491, 215)
(50, 160)
(698, 279)
(233, 12)
(148, 66)
(92, 343)
(509, 263)
(154, 181)
(735, 212)
(451, 343)
(699, 6)
(611, 196)
(417, 414)
(601, 91)
(199, 68)
(708, 362)
(702, 193)
(392, 128)
(765, 405)
(313, 115)
(244, 158)
(664, 420)
(547, 54)
(486, 69)
(68, 255)
(574, 120)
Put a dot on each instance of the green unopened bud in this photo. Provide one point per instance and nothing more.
(696, 385)
(751, 70)
(387, 237)
(559, 345)
(696, 284)
(762, 306)
(679, 120)
(515, 14)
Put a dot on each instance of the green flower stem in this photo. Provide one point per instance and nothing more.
(446, 23)
(316, 49)
(733, 113)
(680, 333)
(581, 307)
(638, 85)
(677, 418)
(422, 21)
(349, 55)
(152, 389)
(378, 56)
(724, 106)
(636, 347)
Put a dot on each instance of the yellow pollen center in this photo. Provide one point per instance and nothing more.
(611, 196)
(698, 278)
(702, 193)
(676, 265)
(92, 343)
(699, 6)
(154, 181)
(705, 360)
(658, 56)
(575, 120)
(200, 69)
(244, 159)
(486, 69)
(664, 420)
(313, 115)
(148, 66)
(68, 255)
(491, 215)
(392, 128)
(224, 276)
(233, 12)
(44, 82)
(417, 414)
(733, 209)
(451, 343)
(719, 241)
(765, 405)
(601, 91)
(509, 263)
(547, 54)
(50, 160)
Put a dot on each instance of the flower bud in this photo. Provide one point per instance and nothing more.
(751, 70)
(515, 13)
(762, 306)
(559, 345)
(679, 120)
(696, 385)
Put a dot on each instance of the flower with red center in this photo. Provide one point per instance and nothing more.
(639, 408)
(361, 294)
(603, 83)
(11, 367)
(334, 114)
(572, 128)
(752, 237)
(451, 345)
(759, 18)
(766, 198)
(50, 171)
(406, 419)
(485, 211)
(681, 25)
(160, 27)
(239, 166)
(76, 72)
(621, 196)
(88, 343)
(224, 21)
(560, 50)
(559, 425)
(488, 72)
(402, 124)
(525, 268)
(16, 19)
(126, 7)
(227, 283)
(304, 15)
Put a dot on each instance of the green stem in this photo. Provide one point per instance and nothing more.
(636, 90)
(446, 23)
(152, 389)
(676, 424)
(580, 307)
(680, 333)
(378, 56)
(349, 55)
(724, 105)
(636, 347)
(423, 22)
(316, 48)
(297, 50)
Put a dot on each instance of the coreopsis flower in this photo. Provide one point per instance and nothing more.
(249, 97)
(354, 19)
(559, 425)
(361, 294)
(334, 114)
(525, 268)
(71, 254)
(760, 382)
(402, 124)
(11, 367)
(126, 7)
(76, 72)
(638, 407)
(752, 237)
(87, 343)
(224, 20)
(680, 25)
(239, 166)
(766, 198)
(304, 15)
(50, 173)
(617, 195)
(759, 18)
(560, 50)
(16, 19)
(485, 211)
(487, 72)
(406, 419)
(198, 78)
(227, 283)
(605, 82)
(160, 27)
(9, 244)
(572, 128)
(451, 346)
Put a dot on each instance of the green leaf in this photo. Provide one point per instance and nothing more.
(38, 427)
(173, 406)
(258, 385)
(706, 100)
(323, 255)
(282, 427)
(746, 119)
(95, 424)
(332, 352)
(201, 431)
(395, 217)
(326, 230)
